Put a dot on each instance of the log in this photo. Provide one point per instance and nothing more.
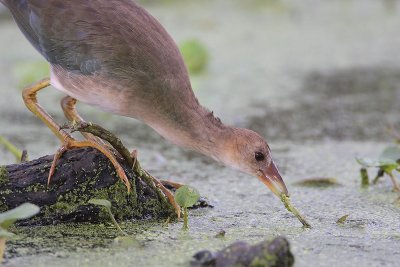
(81, 174)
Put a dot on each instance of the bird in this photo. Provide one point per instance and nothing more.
(115, 55)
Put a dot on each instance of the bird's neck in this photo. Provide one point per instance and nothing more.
(198, 130)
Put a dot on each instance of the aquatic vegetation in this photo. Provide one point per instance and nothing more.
(364, 177)
(286, 200)
(342, 219)
(8, 218)
(186, 197)
(107, 205)
(387, 162)
(195, 55)
(18, 154)
(318, 182)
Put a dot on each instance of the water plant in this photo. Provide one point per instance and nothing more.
(286, 201)
(319, 182)
(107, 205)
(387, 163)
(186, 196)
(8, 218)
(342, 219)
(12, 148)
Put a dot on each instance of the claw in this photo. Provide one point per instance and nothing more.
(71, 143)
(57, 156)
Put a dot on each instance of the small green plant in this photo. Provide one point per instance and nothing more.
(387, 163)
(364, 177)
(13, 149)
(286, 201)
(186, 197)
(8, 218)
(107, 205)
(195, 55)
(342, 219)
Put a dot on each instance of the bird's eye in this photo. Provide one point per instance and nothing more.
(259, 156)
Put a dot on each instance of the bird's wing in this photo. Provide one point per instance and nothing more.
(114, 37)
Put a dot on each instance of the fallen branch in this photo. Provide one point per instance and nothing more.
(83, 174)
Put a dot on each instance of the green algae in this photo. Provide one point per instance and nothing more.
(3, 175)
(342, 219)
(364, 177)
(3, 180)
(319, 182)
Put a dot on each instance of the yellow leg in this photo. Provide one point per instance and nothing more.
(68, 106)
(30, 99)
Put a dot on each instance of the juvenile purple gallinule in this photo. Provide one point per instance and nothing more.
(114, 55)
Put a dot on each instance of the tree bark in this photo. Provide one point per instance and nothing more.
(81, 174)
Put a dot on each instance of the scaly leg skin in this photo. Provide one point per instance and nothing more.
(30, 99)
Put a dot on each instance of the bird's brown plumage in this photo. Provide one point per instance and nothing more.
(115, 55)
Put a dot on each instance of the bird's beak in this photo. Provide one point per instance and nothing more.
(271, 177)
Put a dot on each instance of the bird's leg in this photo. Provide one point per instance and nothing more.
(30, 99)
(129, 157)
(68, 106)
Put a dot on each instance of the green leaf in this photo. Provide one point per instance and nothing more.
(101, 202)
(23, 211)
(388, 165)
(187, 196)
(391, 153)
(367, 162)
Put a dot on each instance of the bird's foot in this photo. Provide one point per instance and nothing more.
(159, 183)
(130, 157)
(171, 184)
(70, 143)
(165, 191)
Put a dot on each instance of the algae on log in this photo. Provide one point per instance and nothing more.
(81, 174)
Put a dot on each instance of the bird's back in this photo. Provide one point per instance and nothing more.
(111, 43)
(76, 34)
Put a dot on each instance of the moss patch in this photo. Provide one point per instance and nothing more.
(3, 175)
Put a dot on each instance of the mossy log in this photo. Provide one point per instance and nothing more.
(81, 174)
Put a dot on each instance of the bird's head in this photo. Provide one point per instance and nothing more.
(248, 152)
